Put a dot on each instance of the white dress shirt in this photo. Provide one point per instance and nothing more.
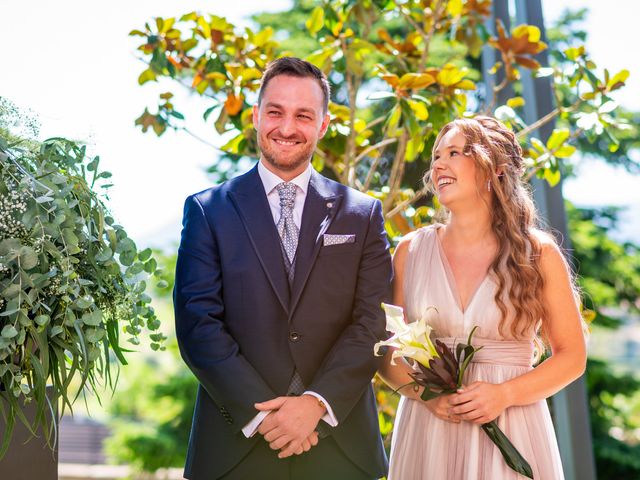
(270, 181)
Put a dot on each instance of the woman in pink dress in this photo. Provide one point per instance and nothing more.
(489, 266)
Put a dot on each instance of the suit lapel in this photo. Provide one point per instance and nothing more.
(251, 202)
(319, 209)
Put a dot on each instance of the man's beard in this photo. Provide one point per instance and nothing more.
(295, 163)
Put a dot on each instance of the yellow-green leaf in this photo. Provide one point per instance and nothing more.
(552, 177)
(263, 37)
(618, 80)
(394, 121)
(415, 81)
(516, 102)
(574, 53)
(537, 144)
(168, 23)
(531, 31)
(192, 16)
(588, 315)
(466, 84)
(454, 8)
(146, 76)
(449, 75)
(202, 86)
(414, 147)
(565, 151)
(557, 138)
(316, 20)
(204, 26)
(419, 109)
(233, 145)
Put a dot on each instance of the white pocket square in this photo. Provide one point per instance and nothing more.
(331, 239)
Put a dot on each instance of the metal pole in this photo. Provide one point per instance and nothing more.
(570, 406)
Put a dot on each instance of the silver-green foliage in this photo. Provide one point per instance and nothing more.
(71, 280)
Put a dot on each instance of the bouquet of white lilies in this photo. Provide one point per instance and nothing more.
(440, 370)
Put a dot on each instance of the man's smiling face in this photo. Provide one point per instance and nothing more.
(289, 121)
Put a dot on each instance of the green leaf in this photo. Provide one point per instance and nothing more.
(69, 237)
(145, 254)
(28, 258)
(9, 331)
(12, 291)
(316, 20)
(42, 320)
(126, 245)
(151, 266)
(135, 269)
(94, 335)
(93, 318)
(84, 302)
(104, 255)
(127, 258)
(511, 455)
(9, 248)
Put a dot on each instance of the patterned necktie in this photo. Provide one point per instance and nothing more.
(289, 232)
(287, 228)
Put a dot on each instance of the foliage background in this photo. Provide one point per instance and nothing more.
(145, 159)
(608, 270)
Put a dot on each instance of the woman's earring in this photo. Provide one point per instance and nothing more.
(488, 185)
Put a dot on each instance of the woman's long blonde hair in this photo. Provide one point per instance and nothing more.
(498, 157)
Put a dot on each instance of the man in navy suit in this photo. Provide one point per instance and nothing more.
(279, 281)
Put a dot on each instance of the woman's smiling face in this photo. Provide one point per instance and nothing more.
(454, 172)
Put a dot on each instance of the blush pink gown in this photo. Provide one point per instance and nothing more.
(425, 447)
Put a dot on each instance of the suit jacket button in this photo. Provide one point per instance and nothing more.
(294, 336)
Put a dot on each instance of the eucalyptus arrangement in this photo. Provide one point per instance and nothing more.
(72, 283)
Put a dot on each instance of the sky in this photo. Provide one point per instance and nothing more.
(73, 64)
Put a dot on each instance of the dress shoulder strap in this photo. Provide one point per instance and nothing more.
(418, 265)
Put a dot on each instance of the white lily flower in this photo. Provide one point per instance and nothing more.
(410, 340)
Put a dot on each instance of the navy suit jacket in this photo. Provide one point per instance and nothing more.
(243, 330)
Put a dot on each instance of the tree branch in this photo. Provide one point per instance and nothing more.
(375, 122)
(397, 170)
(380, 144)
(402, 205)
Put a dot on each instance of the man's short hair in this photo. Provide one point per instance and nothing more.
(295, 67)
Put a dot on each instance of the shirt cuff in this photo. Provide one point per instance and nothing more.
(328, 417)
(251, 428)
